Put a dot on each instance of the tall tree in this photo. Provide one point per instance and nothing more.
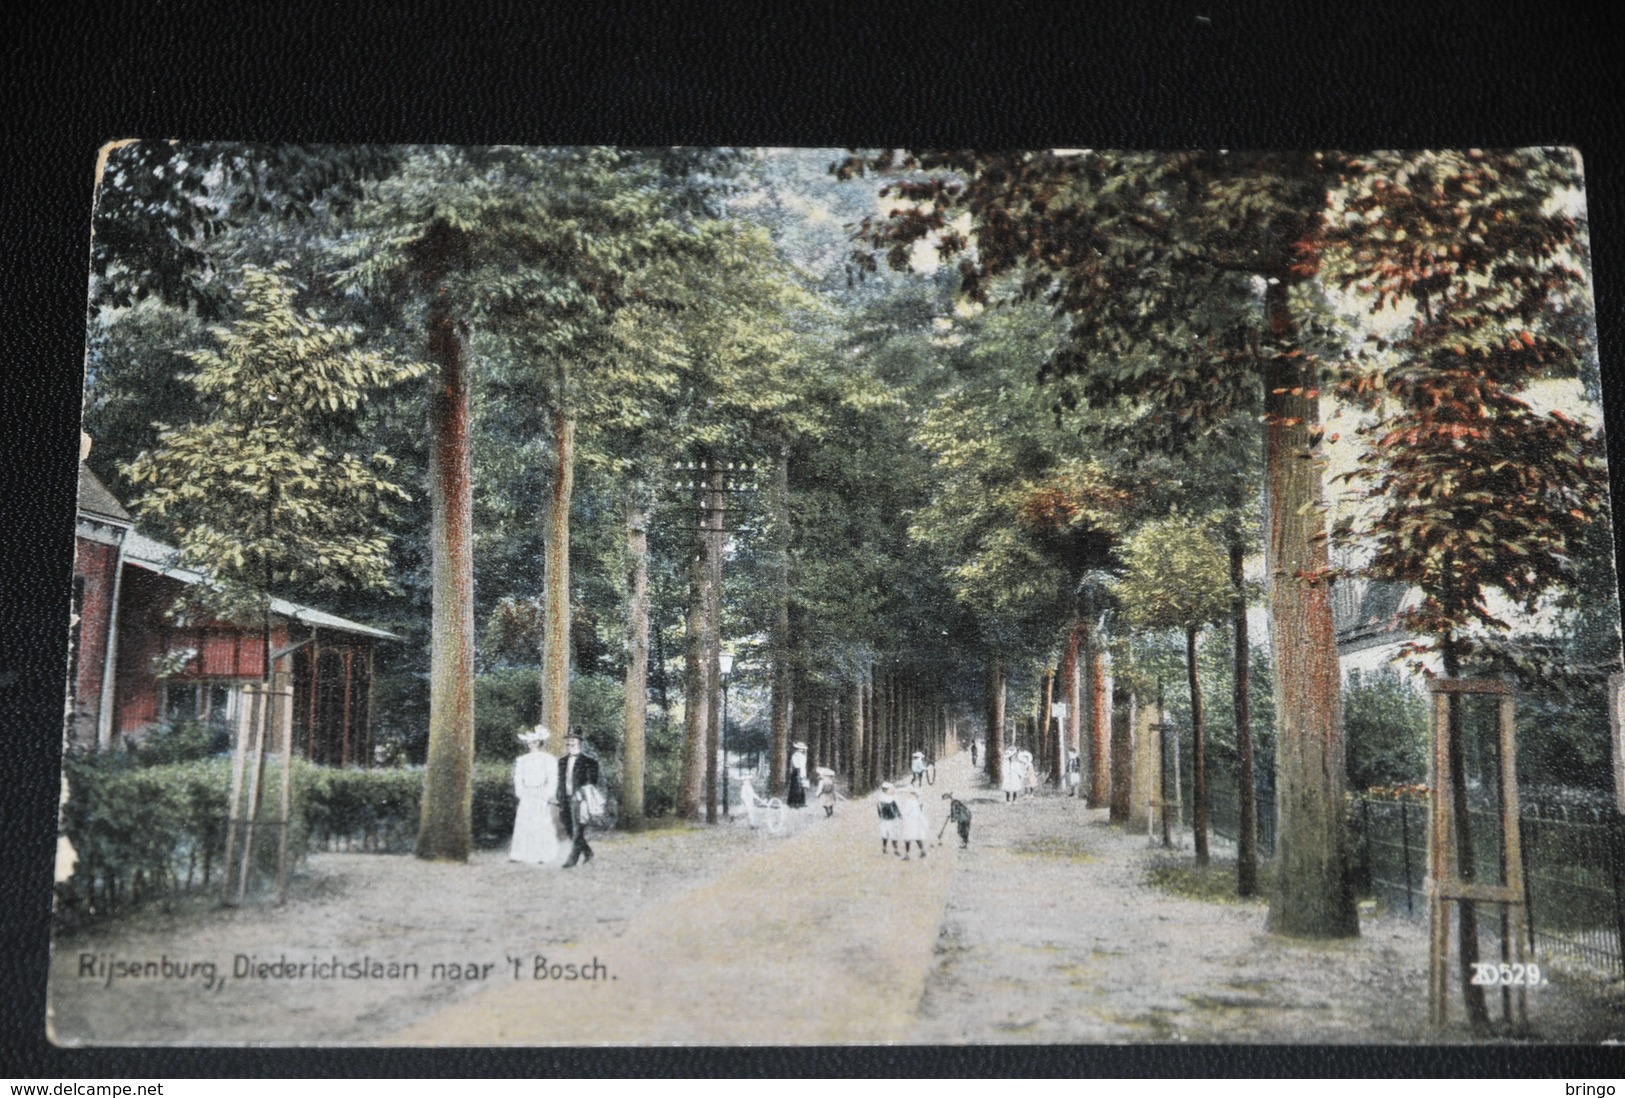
(1120, 244)
(255, 491)
(1177, 578)
(1476, 489)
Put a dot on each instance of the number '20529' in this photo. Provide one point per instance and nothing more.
(1504, 975)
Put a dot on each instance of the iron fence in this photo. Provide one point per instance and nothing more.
(1573, 870)
(1224, 796)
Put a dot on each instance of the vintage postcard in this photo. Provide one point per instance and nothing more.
(726, 596)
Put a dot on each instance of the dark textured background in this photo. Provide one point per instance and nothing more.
(1207, 73)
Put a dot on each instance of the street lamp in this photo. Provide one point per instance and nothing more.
(725, 666)
(1057, 712)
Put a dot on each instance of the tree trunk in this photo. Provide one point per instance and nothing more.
(1122, 751)
(714, 525)
(696, 692)
(1068, 734)
(445, 824)
(779, 637)
(1478, 1013)
(556, 580)
(994, 763)
(1241, 700)
(855, 777)
(1199, 751)
(871, 721)
(637, 653)
(1313, 895)
(1100, 719)
(1053, 747)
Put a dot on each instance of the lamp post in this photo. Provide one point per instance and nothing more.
(1057, 712)
(725, 666)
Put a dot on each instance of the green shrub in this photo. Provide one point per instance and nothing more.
(1385, 724)
(140, 830)
(507, 701)
(182, 741)
(377, 809)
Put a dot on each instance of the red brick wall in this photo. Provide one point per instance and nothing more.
(93, 564)
(225, 650)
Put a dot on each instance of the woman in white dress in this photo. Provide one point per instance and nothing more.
(1011, 780)
(535, 783)
(913, 822)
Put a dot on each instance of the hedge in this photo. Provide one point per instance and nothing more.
(145, 831)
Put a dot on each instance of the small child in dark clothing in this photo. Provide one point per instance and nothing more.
(958, 815)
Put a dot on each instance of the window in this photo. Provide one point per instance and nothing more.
(212, 703)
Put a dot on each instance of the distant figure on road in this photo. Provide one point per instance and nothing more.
(917, 768)
(890, 818)
(1029, 772)
(1074, 772)
(973, 754)
(796, 797)
(959, 816)
(826, 790)
(1011, 781)
(914, 826)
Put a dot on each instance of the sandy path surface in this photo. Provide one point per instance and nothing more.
(1048, 929)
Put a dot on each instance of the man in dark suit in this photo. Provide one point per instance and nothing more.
(576, 771)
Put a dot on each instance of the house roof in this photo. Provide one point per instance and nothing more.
(155, 556)
(97, 501)
(1371, 613)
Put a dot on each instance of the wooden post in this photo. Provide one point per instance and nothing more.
(1443, 885)
(344, 727)
(315, 683)
(285, 821)
(262, 732)
(245, 725)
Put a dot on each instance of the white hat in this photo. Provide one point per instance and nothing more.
(919, 754)
(1025, 756)
(885, 785)
(539, 734)
(799, 746)
(825, 771)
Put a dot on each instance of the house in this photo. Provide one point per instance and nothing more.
(133, 666)
(1371, 635)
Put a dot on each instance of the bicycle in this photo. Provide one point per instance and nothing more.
(773, 811)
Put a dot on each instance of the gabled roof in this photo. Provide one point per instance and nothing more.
(95, 500)
(1371, 614)
(155, 556)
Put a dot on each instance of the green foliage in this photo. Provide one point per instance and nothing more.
(1385, 725)
(1176, 577)
(507, 701)
(161, 206)
(161, 822)
(378, 808)
(181, 742)
(252, 491)
(1478, 490)
(167, 822)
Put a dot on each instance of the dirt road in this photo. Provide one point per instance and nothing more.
(1050, 928)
